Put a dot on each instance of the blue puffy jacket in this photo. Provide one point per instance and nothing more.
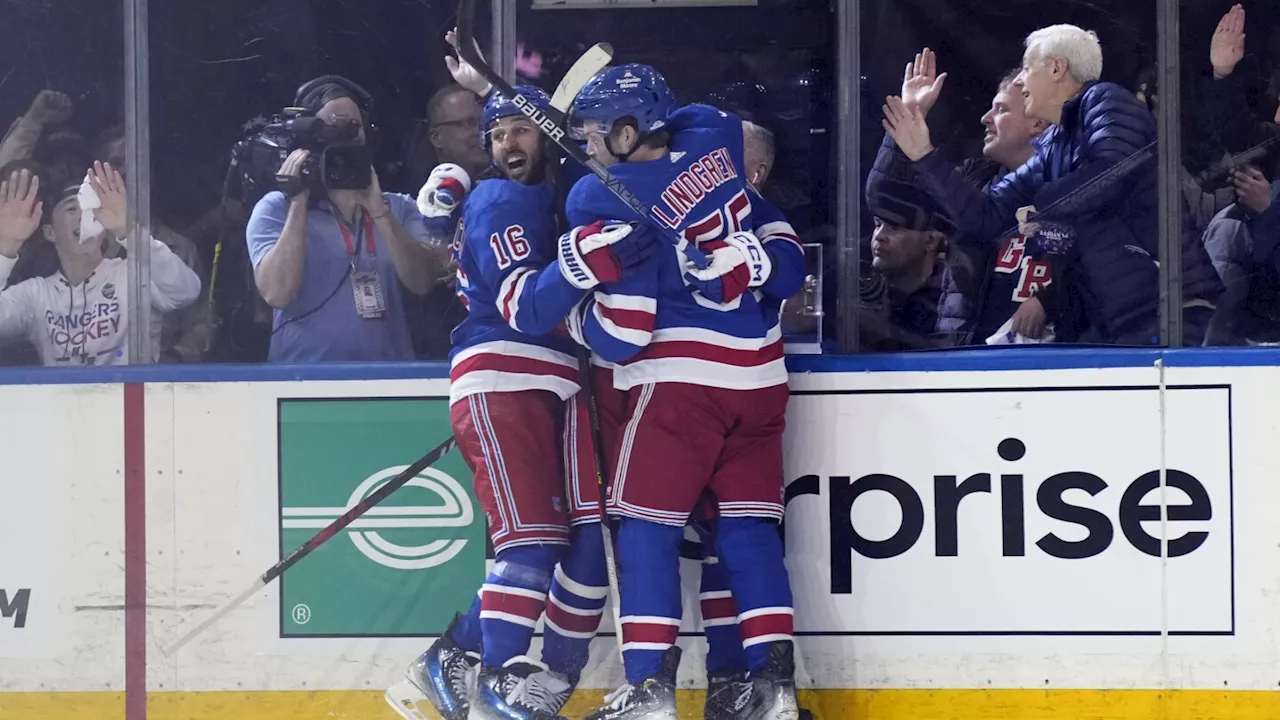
(1115, 219)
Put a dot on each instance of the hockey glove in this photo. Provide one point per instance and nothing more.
(738, 263)
(444, 190)
(596, 253)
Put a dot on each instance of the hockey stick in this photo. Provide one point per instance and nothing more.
(602, 484)
(595, 59)
(554, 129)
(319, 539)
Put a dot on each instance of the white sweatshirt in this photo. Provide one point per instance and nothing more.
(88, 324)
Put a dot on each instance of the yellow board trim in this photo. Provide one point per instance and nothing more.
(825, 704)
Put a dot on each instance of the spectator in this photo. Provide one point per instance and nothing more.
(1198, 153)
(329, 264)
(908, 247)
(451, 134)
(988, 280)
(79, 315)
(453, 115)
(1216, 122)
(1234, 126)
(1242, 240)
(188, 333)
(49, 108)
(1110, 235)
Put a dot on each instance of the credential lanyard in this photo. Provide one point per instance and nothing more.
(366, 231)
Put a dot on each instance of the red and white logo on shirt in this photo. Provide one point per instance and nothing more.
(1013, 258)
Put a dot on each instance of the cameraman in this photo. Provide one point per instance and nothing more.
(328, 260)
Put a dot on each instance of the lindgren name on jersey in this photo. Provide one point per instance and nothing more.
(704, 175)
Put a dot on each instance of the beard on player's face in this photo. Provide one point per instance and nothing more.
(517, 151)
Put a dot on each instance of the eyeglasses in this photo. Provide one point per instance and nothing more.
(465, 123)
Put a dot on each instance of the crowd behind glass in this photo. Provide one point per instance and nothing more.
(1034, 221)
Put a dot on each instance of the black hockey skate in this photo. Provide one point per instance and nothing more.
(773, 689)
(515, 691)
(653, 699)
(727, 694)
(445, 675)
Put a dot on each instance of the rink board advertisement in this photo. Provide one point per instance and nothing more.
(404, 567)
(990, 511)
(61, 452)
(945, 530)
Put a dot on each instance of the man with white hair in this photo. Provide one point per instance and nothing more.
(1107, 232)
(1060, 60)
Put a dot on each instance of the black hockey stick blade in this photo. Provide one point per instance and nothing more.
(320, 538)
(553, 125)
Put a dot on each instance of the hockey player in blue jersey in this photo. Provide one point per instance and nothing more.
(578, 591)
(699, 352)
(510, 373)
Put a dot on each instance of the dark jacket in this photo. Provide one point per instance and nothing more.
(970, 274)
(1114, 222)
(968, 264)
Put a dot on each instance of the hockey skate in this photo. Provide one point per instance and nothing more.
(555, 687)
(773, 689)
(516, 691)
(726, 696)
(653, 699)
(445, 676)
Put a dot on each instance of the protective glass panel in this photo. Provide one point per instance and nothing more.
(771, 64)
(1019, 202)
(803, 314)
(63, 100)
(1230, 164)
(222, 76)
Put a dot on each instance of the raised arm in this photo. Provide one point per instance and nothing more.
(977, 213)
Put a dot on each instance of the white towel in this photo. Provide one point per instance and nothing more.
(89, 201)
(1006, 336)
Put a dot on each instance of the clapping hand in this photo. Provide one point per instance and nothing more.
(907, 127)
(921, 83)
(20, 211)
(1226, 49)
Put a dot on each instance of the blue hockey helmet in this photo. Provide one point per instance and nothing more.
(500, 106)
(635, 90)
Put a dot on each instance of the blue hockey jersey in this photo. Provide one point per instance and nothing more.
(516, 297)
(650, 323)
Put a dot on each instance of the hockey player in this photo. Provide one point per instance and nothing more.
(700, 355)
(510, 375)
(578, 590)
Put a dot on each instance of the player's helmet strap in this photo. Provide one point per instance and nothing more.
(623, 157)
